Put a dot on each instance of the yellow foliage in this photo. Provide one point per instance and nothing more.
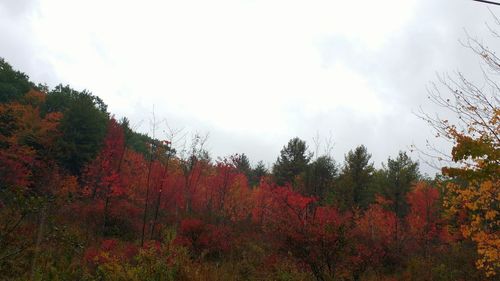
(477, 201)
(480, 202)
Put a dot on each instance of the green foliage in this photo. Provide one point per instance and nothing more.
(293, 161)
(83, 125)
(7, 124)
(13, 84)
(134, 140)
(355, 180)
(396, 180)
(257, 173)
(320, 177)
(242, 164)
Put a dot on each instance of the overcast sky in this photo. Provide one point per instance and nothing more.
(253, 73)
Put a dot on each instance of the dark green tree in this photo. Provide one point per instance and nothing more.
(136, 141)
(257, 173)
(355, 179)
(320, 177)
(396, 179)
(293, 161)
(242, 164)
(83, 125)
(13, 84)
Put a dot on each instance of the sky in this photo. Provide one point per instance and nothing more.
(253, 74)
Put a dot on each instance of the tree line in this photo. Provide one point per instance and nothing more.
(85, 197)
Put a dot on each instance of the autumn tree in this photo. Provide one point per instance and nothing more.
(316, 237)
(103, 173)
(374, 234)
(31, 184)
(165, 154)
(425, 225)
(193, 161)
(225, 191)
(473, 127)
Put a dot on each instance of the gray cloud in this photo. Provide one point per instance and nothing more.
(17, 8)
(397, 73)
(19, 46)
(402, 69)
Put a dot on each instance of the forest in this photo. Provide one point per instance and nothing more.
(83, 196)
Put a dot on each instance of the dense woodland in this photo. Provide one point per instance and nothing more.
(85, 197)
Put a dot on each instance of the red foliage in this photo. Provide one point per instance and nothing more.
(424, 220)
(15, 166)
(130, 251)
(223, 194)
(315, 236)
(281, 207)
(200, 237)
(25, 139)
(375, 236)
(109, 245)
(110, 251)
(321, 238)
(102, 174)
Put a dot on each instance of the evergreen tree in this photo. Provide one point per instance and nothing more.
(320, 176)
(396, 180)
(136, 141)
(355, 179)
(293, 161)
(257, 173)
(83, 125)
(13, 84)
(242, 164)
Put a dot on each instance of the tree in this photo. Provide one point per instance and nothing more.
(103, 173)
(355, 179)
(474, 130)
(13, 84)
(257, 173)
(292, 161)
(320, 176)
(165, 153)
(224, 193)
(394, 181)
(315, 236)
(374, 233)
(194, 161)
(134, 140)
(398, 176)
(83, 125)
(424, 218)
(27, 141)
(31, 185)
(242, 164)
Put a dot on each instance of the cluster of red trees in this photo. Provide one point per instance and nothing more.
(124, 194)
(208, 202)
(111, 205)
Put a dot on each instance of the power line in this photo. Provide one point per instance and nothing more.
(487, 2)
